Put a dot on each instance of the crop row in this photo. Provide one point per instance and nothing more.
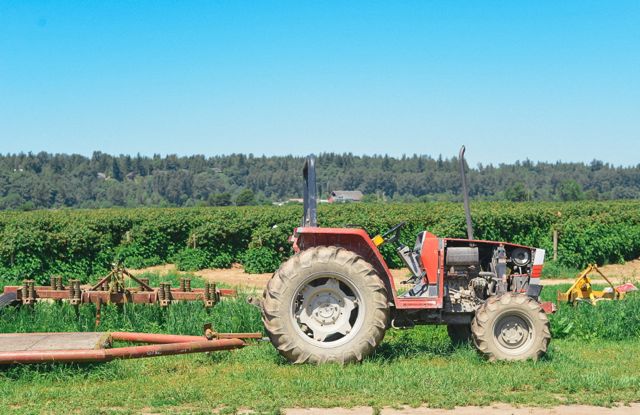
(83, 243)
(610, 320)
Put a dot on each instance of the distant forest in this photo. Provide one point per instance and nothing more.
(43, 180)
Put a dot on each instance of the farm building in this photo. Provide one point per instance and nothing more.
(343, 196)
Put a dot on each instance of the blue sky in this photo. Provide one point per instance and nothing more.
(556, 80)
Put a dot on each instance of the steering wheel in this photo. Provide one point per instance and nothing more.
(393, 234)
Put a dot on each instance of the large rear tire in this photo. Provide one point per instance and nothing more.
(325, 304)
(511, 327)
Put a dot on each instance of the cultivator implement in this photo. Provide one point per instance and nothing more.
(582, 289)
(113, 289)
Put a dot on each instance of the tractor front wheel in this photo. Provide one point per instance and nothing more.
(325, 304)
(511, 327)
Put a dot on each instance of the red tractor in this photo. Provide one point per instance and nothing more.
(334, 299)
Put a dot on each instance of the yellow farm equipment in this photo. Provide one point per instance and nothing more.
(582, 289)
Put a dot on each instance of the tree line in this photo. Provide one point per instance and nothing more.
(44, 180)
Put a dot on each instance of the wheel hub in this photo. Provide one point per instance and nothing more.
(513, 332)
(325, 310)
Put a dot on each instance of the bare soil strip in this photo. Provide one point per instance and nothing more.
(628, 270)
(498, 409)
(236, 276)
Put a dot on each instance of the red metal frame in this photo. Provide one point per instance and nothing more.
(131, 295)
(482, 241)
(113, 288)
(431, 256)
(358, 241)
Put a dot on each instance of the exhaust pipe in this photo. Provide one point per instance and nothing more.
(310, 198)
(465, 195)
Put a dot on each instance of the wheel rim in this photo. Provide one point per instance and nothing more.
(327, 310)
(514, 333)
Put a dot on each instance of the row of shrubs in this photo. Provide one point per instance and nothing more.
(84, 243)
(255, 260)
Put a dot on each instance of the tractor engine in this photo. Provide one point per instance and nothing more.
(473, 273)
(464, 288)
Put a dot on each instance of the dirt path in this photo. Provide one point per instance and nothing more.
(596, 281)
(236, 276)
(498, 409)
(628, 270)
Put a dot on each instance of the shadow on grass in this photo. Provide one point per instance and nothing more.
(425, 341)
(429, 342)
(419, 342)
(61, 371)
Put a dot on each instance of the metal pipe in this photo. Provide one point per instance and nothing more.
(105, 355)
(176, 338)
(465, 194)
(174, 348)
(154, 338)
(239, 336)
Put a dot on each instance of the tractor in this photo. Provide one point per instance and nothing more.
(334, 299)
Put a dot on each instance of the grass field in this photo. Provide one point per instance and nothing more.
(596, 362)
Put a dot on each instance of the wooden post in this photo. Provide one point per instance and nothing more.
(555, 244)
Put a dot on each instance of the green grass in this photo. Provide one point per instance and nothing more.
(172, 277)
(555, 270)
(596, 361)
(609, 320)
(417, 367)
(230, 315)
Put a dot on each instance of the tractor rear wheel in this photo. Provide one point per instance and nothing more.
(511, 327)
(325, 304)
(459, 333)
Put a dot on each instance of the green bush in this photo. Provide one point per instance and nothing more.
(131, 257)
(192, 259)
(222, 260)
(554, 269)
(260, 260)
(84, 243)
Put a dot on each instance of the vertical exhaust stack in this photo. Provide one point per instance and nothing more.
(310, 216)
(465, 194)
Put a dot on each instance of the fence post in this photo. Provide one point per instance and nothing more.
(555, 244)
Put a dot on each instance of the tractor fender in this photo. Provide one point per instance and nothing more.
(353, 239)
